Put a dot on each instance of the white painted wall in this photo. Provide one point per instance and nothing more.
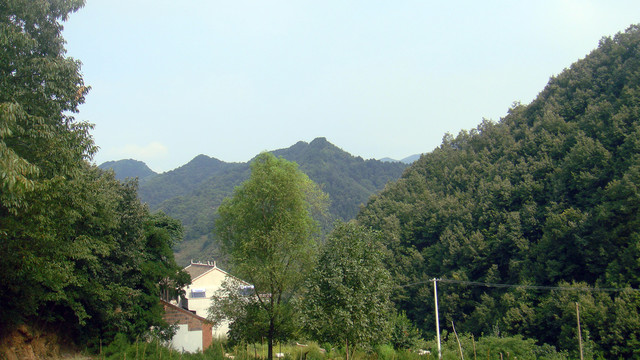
(211, 282)
(190, 341)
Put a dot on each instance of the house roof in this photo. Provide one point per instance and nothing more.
(197, 269)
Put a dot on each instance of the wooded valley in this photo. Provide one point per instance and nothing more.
(519, 222)
(193, 192)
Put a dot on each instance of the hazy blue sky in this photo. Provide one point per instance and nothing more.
(174, 79)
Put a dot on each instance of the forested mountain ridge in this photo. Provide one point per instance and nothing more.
(548, 196)
(129, 168)
(183, 180)
(348, 180)
(193, 192)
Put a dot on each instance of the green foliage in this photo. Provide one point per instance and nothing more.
(160, 270)
(494, 347)
(93, 258)
(268, 230)
(193, 192)
(153, 349)
(77, 247)
(125, 169)
(348, 293)
(511, 348)
(404, 335)
(248, 321)
(547, 195)
(39, 87)
(385, 352)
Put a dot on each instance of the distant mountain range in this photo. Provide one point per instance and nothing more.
(193, 192)
(408, 160)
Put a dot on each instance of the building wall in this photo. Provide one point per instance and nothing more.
(185, 340)
(194, 332)
(210, 282)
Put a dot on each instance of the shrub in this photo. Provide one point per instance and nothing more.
(385, 352)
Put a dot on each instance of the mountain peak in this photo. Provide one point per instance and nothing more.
(129, 168)
(320, 141)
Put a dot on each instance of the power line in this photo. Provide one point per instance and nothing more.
(526, 287)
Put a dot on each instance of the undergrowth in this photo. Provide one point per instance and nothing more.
(487, 347)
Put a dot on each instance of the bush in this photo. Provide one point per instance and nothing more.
(314, 353)
(404, 334)
(385, 352)
(492, 346)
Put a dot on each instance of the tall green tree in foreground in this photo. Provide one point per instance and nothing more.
(41, 147)
(39, 88)
(348, 293)
(269, 231)
(78, 250)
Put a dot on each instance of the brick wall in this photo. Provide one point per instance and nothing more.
(207, 335)
(176, 315)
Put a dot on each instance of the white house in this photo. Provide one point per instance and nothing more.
(206, 279)
(194, 332)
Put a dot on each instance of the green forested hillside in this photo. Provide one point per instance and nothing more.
(348, 180)
(125, 169)
(193, 192)
(549, 196)
(185, 179)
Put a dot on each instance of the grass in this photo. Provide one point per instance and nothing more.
(486, 347)
(220, 350)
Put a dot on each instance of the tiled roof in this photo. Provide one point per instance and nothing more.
(197, 269)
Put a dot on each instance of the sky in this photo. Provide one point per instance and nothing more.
(174, 79)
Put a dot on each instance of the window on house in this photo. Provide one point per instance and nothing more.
(246, 290)
(198, 293)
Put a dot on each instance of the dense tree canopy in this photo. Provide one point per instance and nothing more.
(78, 249)
(269, 230)
(547, 195)
(347, 299)
(38, 88)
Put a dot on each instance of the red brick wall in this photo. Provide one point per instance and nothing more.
(173, 315)
(207, 335)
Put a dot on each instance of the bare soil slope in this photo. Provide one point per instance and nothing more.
(28, 343)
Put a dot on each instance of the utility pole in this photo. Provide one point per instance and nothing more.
(435, 296)
(579, 331)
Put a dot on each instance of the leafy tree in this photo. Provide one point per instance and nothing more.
(78, 248)
(609, 322)
(404, 334)
(41, 147)
(348, 293)
(162, 273)
(270, 234)
(237, 305)
(39, 87)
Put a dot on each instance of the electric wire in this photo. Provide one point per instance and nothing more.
(520, 286)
